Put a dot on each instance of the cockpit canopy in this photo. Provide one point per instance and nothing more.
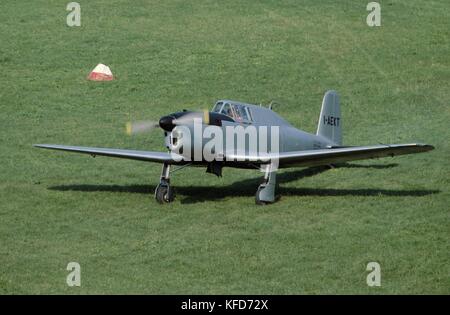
(238, 112)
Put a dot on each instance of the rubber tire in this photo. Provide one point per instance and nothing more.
(259, 201)
(164, 194)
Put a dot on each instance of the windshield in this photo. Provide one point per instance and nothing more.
(217, 107)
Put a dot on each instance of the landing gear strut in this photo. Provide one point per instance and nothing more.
(266, 191)
(163, 192)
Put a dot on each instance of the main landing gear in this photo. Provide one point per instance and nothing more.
(163, 192)
(264, 195)
(266, 191)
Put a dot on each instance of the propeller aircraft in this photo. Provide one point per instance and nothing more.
(240, 135)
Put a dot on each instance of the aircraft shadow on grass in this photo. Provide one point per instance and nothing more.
(246, 187)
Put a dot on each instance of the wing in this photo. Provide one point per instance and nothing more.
(159, 157)
(334, 155)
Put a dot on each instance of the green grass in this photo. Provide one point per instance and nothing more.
(169, 55)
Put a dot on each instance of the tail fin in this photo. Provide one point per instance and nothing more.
(330, 118)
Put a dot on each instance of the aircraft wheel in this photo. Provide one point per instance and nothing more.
(259, 201)
(164, 194)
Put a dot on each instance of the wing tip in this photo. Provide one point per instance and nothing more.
(425, 147)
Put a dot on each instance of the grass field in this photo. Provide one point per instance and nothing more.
(394, 83)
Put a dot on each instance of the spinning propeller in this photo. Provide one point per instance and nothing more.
(168, 122)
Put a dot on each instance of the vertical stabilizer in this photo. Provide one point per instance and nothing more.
(330, 122)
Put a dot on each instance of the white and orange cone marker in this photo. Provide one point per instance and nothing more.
(101, 73)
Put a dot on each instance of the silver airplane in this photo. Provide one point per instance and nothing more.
(296, 148)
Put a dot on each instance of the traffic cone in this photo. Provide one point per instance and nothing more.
(101, 73)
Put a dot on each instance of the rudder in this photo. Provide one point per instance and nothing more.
(330, 121)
